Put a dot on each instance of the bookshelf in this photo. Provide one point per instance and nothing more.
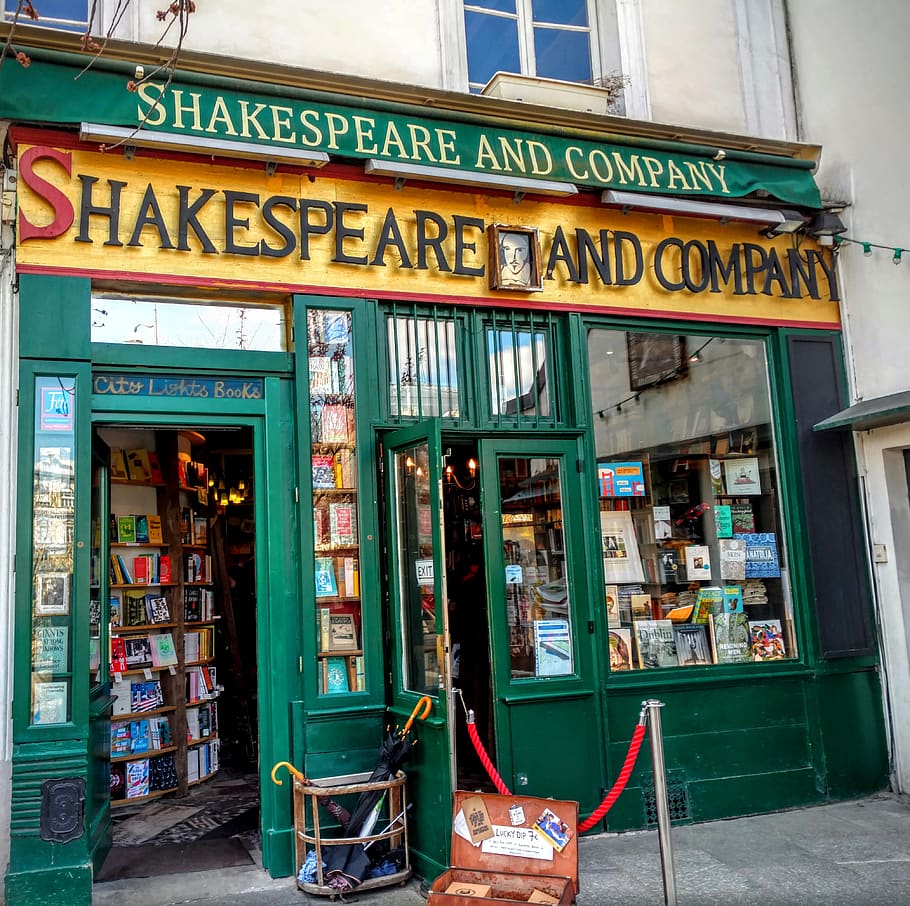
(163, 617)
(336, 548)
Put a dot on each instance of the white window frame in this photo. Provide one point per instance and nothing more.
(47, 22)
(617, 43)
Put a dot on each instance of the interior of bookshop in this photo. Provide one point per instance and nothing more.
(182, 614)
(694, 564)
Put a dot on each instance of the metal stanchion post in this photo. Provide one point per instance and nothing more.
(661, 802)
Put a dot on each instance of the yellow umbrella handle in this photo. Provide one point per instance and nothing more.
(424, 702)
(291, 770)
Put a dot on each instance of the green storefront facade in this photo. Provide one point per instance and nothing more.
(690, 354)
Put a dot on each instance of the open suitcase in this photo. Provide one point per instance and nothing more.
(529, 854)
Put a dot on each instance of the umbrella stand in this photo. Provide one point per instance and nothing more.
(309, 833)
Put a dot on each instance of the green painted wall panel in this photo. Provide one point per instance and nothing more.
(749, 795)
(344, 730)
(54, 317)
(853, 733)
(53, 887)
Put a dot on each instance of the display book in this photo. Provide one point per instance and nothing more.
(705, 623)
(152, 723)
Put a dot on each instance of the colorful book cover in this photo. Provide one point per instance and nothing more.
(138, 465)
(157, 609)
(743, 518)
(118, 655)
(126, 529)
(732, 642)
(656, 643)
(154, 529)
(138, 651)
(620, 648)
(118, 465)
(767, 640)
(733, 599)
(336, 675)
(553, 829)
(136, 612)
(120, 739)
(708, 600)
(139, 736)
(723, 520)
(326, 584)
(342, 524)
(163, 653)
(141, 570)
(116, 610)
(142, 528)
(50, 649)
(742, 477)
(693, 646)
(146, 696)
(137, 778)
(164, 569)
(761, 555)
(323, 470)
(732, 552)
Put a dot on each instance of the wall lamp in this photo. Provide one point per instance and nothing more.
(132, 138)
(824, 226)
(776, 220)
(521, 187)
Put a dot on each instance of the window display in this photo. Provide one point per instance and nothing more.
(693, 556)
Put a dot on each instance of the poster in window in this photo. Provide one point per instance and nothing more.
(52, 594)
(620, 547)
(654, 358)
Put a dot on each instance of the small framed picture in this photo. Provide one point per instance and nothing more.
(52, 594)
(655, 358)
(514, 258)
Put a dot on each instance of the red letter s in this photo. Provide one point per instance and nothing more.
(63, 210)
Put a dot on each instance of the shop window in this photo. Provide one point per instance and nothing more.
(52, 550)
(422, 364)
(519, 363)
(554, 39)
(192, 323)
(336, 518)
(694, 561)
(540, 639)
(69, 15)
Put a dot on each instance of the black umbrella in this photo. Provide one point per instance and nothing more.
(347, 865)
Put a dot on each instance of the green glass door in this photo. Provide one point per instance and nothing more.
(417, 614)
(540, 598)
(98, 786)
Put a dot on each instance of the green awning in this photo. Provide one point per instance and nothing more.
(875, 413)
(232, 110)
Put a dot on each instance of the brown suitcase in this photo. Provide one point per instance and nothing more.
(519, 861)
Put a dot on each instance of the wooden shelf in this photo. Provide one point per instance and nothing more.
(141, 627)
(136, 799)
(198, 584)
(136, 671)
(334, 548)
(143, 584)
(199, 742)
(135, 756)
(349, 652)
(139, 484)
(207, 622)
(201, 663)
(132, 715)
(334, 490)
(137, 544)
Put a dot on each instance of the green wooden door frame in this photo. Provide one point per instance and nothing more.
(278, 611)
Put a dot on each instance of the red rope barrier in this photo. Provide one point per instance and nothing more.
(605, 806)
(621, 781)
(482, 754)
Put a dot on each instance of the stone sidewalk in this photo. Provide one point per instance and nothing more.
(855, 852)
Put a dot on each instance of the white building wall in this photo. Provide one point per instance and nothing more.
(9, 381)
(852, 69)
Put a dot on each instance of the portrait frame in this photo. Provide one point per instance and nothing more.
(655, 358)
(530, 280)
(52, 594)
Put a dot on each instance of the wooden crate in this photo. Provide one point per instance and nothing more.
(513, 866)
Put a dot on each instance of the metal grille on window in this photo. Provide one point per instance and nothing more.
(518, 352)
(423, 366)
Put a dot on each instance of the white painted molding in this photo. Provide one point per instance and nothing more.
(633, 59)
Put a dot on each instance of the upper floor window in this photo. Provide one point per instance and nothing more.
(554, 39)
(70, 15)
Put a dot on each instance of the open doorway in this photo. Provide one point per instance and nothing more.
(469, 623)
(184, 731)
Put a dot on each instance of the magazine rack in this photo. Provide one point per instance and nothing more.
(309, 832)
